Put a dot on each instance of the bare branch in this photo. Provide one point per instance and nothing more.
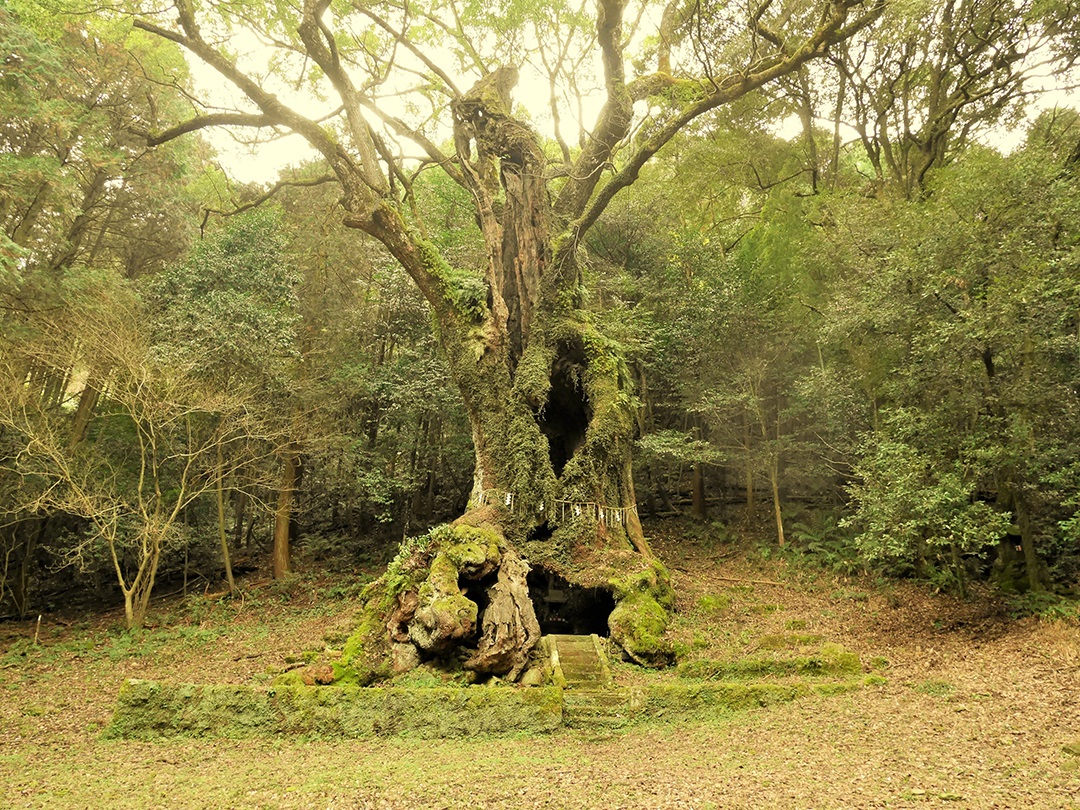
(434, 154)
(407, 43)
(272, 192)
(204, 122)
(322, 47)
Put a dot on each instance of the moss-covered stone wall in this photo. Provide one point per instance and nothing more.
(146, 709)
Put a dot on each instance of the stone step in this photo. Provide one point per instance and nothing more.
(580, 661)
(596, 708)
(582, 684)
(581, 664)
(583, 653)
(589, 668)
(597, 697)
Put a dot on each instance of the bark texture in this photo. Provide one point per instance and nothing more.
(510, 629)
(283, 511)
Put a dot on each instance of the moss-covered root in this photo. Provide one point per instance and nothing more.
(510, 628)
(417, 607)
(444, 615)
(643, 601)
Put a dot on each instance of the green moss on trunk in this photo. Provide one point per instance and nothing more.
(419, 601)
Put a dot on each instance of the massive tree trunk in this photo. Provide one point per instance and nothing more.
(550, 403)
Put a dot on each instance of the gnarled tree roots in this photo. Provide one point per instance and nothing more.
(459, 597)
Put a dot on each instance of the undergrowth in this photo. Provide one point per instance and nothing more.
(1045, 605)
(821, 542)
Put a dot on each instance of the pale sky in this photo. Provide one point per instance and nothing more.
(262, 163)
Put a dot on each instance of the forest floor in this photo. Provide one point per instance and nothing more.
(978, 710)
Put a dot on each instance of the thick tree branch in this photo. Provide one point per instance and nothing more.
(203, 122)
(357, 192)
(656, 84)
(613, 122)
(416, 255)
(322, 48)
(832, 30)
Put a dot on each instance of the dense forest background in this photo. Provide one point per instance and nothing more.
(852, 315)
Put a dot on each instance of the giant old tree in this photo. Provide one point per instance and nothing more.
(414, 87)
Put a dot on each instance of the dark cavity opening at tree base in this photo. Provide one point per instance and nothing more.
(565, 608)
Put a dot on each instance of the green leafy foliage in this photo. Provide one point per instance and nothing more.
(229, 311)
(908, 500)
(673, 447)
(822, 541)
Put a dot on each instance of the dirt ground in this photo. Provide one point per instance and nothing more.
(978, 711)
